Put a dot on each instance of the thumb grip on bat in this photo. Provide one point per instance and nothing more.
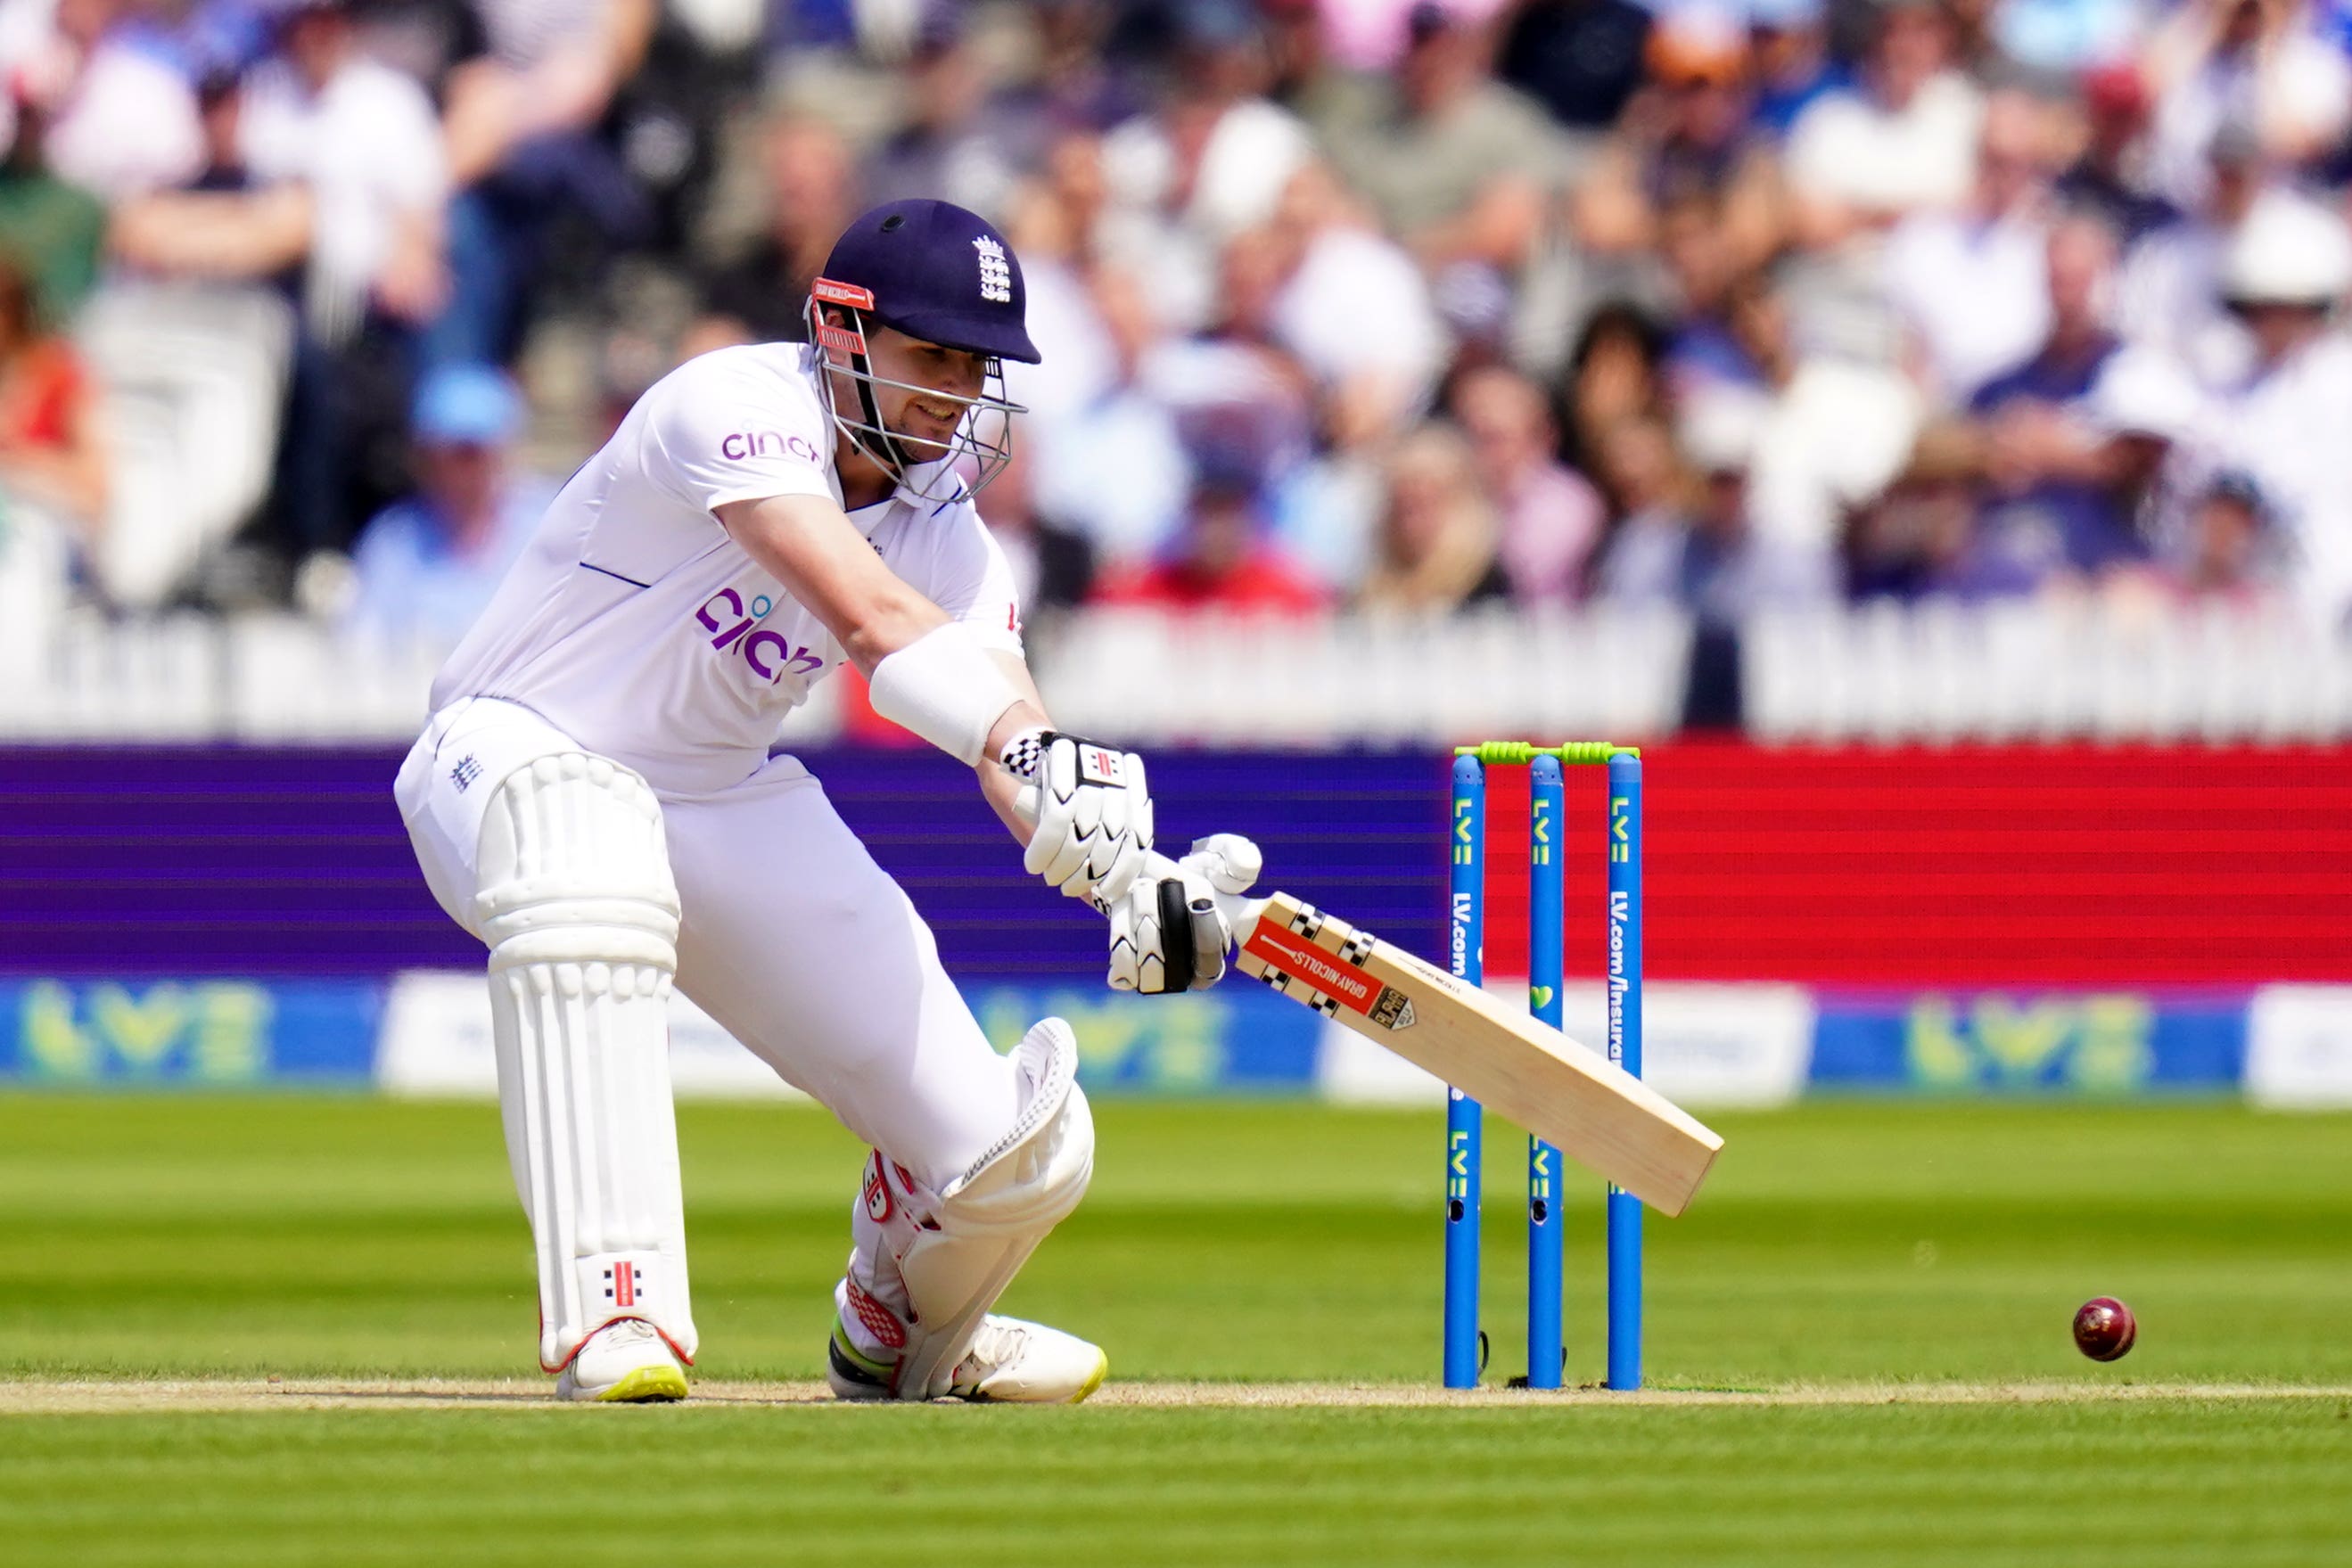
(1240, 910)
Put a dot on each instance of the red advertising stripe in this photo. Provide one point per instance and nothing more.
(1965, 865)
(1302, 961)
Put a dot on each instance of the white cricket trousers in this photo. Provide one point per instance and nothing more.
(793, 938)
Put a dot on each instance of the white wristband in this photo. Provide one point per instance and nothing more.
(944, 687)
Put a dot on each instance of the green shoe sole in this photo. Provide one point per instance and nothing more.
(646, 1386)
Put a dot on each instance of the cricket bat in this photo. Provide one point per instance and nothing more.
(1578, 1100)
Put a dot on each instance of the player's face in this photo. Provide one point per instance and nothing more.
(938, 385)
(899, 402)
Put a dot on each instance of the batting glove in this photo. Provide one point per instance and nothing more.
(1092, 808)
(1170, 932)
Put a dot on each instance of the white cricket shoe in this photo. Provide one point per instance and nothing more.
(623, 1362)
(1011, 1361)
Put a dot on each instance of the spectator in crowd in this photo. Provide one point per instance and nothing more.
(521, 123)
(1224, 560)
(365, 140)
(2108, 176)
(426, 567)
(1833, 429)
(1350, 305)
(2148, 420)
(1063, 230)
(53, 228)
(1581, 59)
(1370, 36)
(2231, 550)
(1550, 517)
(2078, 270)
(1073, 81)
(1053, 567)
(811, 195)
(1976, 49)
(1969, 282)
(121, 118)
(1208, 165)
(227, 405)
(189, 329)
(2046, 441)
(52, 473)
(1236, 361)
(1711, 563)
(1235, 378)
(950, 139)
(1650, 493)
(2259, 63)
(361, 140)
(1438, 537)
(2171, 296)
(1327, 507)
(1457, 167)
(1112, 470)
(1687, 139)
(1790, 45)
(1615, 374)
(1301, 75)
(2282, 422)
(224, 225)
(1703, 349)
(220, 111)
(1918, 537)
(52, 450)
(1065, 209)
(1901, 139)
(1694, 546)
(1778, 302)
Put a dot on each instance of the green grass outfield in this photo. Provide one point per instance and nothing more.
(1858, 1351)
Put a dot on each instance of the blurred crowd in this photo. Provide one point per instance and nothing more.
(1344, 303)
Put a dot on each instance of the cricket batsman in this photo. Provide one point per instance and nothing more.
(595, 801)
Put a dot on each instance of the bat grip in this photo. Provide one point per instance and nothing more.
(1240, 910)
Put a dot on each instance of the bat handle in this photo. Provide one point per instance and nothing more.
(1240, 910)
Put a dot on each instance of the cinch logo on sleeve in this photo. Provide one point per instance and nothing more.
(770, 656)
(744, 444)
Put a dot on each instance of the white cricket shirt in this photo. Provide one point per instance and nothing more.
(634, 623)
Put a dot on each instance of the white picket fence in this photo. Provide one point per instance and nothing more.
(1602, 673)
(187, 677)
(1880, 674)
(1941, 671)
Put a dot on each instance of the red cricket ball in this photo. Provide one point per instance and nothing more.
(2105, 1328)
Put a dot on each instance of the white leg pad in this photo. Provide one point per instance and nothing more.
(581, 916)
(989, 1219)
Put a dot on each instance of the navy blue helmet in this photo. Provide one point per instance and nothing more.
(937, 272)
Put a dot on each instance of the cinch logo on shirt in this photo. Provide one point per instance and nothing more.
(770, 656)
(747, 444)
